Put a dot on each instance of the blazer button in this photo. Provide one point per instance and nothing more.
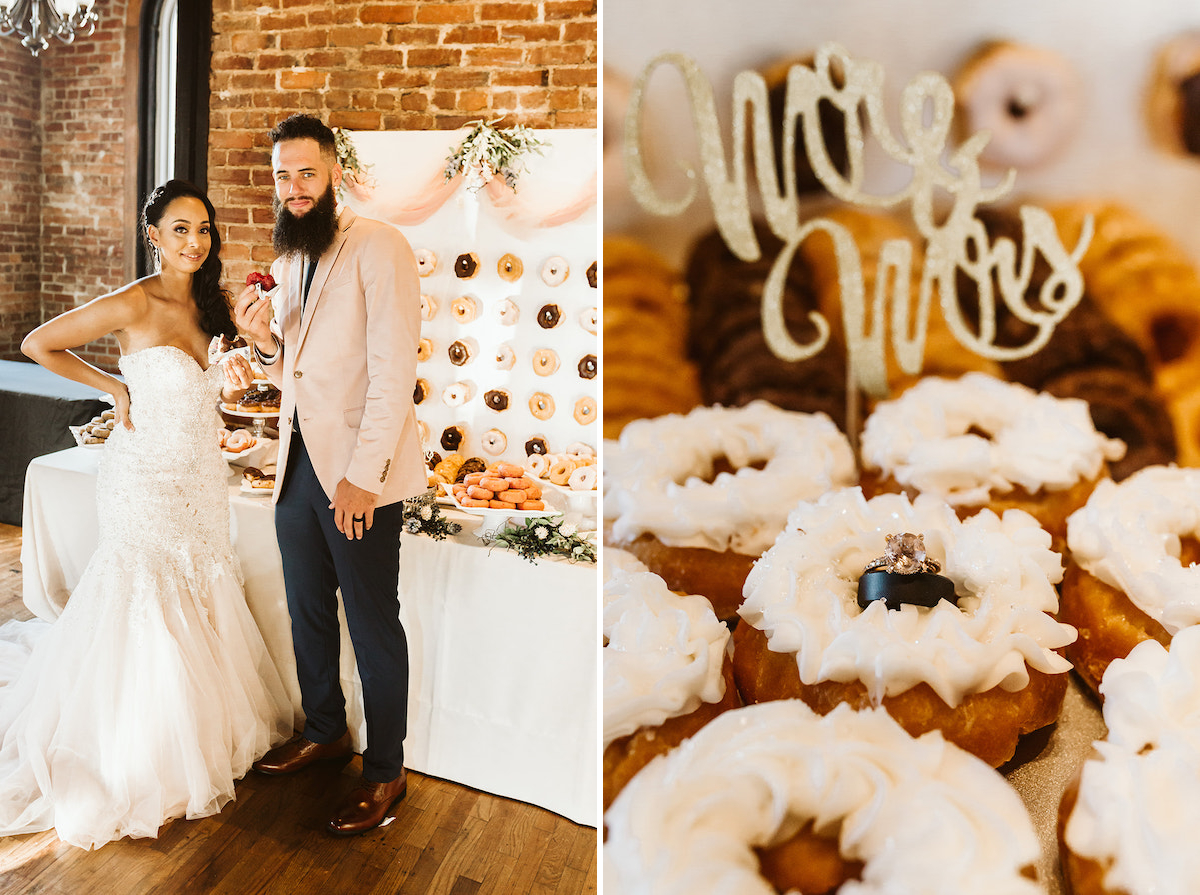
(297, 374)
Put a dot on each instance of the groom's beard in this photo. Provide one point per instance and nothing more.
(311, 234)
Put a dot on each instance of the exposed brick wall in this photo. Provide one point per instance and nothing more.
(20, 188)
(382, 65)
(370, 65)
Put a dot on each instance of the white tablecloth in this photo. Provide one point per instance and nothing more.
(503, 691)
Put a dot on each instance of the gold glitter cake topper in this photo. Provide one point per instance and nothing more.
(958, 243)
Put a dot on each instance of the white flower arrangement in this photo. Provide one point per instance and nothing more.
(487, 151)
(543, 536)
(356, 177)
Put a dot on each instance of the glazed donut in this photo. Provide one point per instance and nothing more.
(591, 274)
(560, 469)
(457, 394)
(424, 349)
(464, 308)
(1126, 822)
(461, 351)
(427, 262)
(587, 319)
(422, 432)
(421, 391)
(979, 441)
(666, 669)
(1029, 99)
(701, 527)
(983, 672)
(466, 265)
(548, 316)
(775, 798)
(538, 464)
(505, 357)
(541, 405)
(1173, 112)
(510, 267)
(1132, 582)
(587, 367)
(508, 312)
(581, 448)
(582, 478)
(585, 411)
(555, 271)
(545, 361)
(494, 442)
(429, 307)
(496, 399)
(536, 445)
(238, 441)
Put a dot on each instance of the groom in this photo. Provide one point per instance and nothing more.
(343, 352)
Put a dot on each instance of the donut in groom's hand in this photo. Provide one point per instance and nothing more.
(263, 280)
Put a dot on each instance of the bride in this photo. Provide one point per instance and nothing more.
(153, 691)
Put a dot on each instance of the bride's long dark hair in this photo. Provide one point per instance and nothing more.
(211, 300)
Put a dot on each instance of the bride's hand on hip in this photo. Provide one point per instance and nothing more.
(121, 406)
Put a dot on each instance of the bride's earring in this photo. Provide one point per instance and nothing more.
(157, 257)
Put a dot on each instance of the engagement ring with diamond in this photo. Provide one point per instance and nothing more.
(904, 554)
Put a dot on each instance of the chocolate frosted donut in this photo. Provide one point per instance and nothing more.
(587, 367)
(496, 399)
(421, 391)
(536, 445)
(591, 274)
(434, 459)
(459, 352)
(466, 265)
(548, 316)
(470, 465)
(452, 438)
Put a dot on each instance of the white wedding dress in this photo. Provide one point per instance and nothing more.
(153, 691)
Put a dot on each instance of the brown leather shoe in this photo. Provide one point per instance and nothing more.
(368, 806)
(299, 752)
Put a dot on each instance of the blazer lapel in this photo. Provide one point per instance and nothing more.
(321, 277)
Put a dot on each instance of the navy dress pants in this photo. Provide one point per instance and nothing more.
(317, 560)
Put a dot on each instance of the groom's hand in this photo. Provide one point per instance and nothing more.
(353, 510)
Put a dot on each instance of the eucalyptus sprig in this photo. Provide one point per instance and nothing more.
(354, 172)
(488, 150)
(422, 516)
(543, 536)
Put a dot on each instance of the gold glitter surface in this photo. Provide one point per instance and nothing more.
(958, 243)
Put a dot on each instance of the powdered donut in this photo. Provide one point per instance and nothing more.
(494, 442)
(545, 361)
(585, 411)
(1127, 823)
(555, 271)
(457, 394)
(538, 464)
(579, 447)
(508, 312)
(510, 268)
(670, 502)
(583, 478)
(978, 441)
(1132, 575)
(427, 262)
(541, 405)
(760, 789)
(666, 671)
(1029, 100)
(429, 307)
(587, 319)
(465, 308)
(505, 357)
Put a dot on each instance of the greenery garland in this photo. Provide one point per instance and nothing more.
(487, 151)
(422, 516)
(543, 536)
(347, 157)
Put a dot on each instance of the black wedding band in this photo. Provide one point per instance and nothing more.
(360, 518)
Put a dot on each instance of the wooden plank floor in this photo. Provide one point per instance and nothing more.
(446, 839)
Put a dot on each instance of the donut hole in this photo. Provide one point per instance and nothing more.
(1189, 549)
(1173, 335)
(808, 862)
(973, 429)
(724, 464)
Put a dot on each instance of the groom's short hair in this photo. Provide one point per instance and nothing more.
(305, 127)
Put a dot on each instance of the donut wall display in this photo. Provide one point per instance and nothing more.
(1095, 109)
(508, 359)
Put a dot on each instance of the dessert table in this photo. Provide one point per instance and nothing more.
(504, 684)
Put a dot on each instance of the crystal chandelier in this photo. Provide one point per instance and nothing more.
(36, 21)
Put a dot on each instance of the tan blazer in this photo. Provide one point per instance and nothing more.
(348, 367)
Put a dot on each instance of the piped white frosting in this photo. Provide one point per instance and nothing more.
(663, 653)
(803, 595)
(922, 814)
(922, 440)
(1127, 535)
(1139, 804)
(654, 476)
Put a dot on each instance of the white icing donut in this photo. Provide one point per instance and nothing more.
(1029, 99)
(423, 433)
(922, 439)
(505, 357)
(578, 447)
(654, 476)
(690, 820)
(587, 319)
(494, 442)
(1127, 535)
(1139, 802)
(663, 653)
(508, 312)
(457, 394)
(429, 306)
(1003, 570)
(427, 262)
(555, 271)
(582, 479)
(617, 560)
(538, 464)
